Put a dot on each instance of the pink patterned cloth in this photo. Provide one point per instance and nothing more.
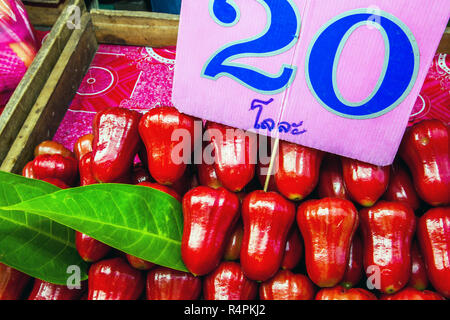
(138, 78)
(434, 99)
(18, 46)
(11, 69)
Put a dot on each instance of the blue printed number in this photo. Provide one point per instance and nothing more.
(397, 78)
(280, 34)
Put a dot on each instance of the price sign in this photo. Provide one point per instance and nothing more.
(339, 76)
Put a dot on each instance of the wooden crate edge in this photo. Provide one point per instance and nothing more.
(45, 14)
(26, 93)
(51, 105)
(135, 28)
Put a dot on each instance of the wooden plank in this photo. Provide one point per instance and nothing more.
(444, 46)
(51, 105)
(45, 15)
(44, 1)
(33, 81)
(135, 28)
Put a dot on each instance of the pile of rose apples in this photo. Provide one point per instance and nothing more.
(305, 225)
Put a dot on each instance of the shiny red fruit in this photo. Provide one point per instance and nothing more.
(90, 249)
(27, 171)
(293, 252)
(331, 182)
(235, 155)
(267, 219)
(52, 147)
(168, 284)
(116, 143)
(413, 294)
(206, 172)
(207, 176)
(43, 290)
(56, 182)
(354, 271)
(12, 283)
(83, 145)
(365, 182)
(388, 228)
(433, 233)
(298, 170)
(157, 128)
(139, 263)
(228, 282)
(209, 218)
(340, 293)
(419, 277)
(85, 169)
(233, 247)
(286, 285)
(114, 279)
(327, 227)
(425, 149)
(401, 187)
(55, 166)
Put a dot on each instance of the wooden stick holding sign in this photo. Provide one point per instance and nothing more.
(338, 76)
(271, 164)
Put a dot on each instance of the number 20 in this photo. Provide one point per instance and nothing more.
(280, 35)
(397, 79)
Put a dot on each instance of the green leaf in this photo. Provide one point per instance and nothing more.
(33, 244)
(141, 221)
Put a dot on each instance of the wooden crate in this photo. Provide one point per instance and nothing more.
(26, 94)
(42, 99)
(44, 1)
(45, 13)
(40, 102)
